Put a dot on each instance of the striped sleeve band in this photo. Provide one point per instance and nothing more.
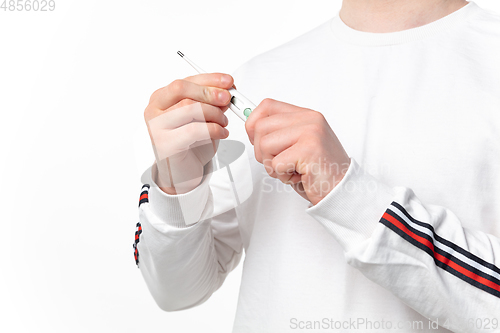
(447, 255)
(138, 228)
(138, 232)
(144, 194)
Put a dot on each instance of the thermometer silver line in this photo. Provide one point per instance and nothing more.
(240, 105)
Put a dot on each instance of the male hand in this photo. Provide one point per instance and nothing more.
(185, 123)
(297, 146)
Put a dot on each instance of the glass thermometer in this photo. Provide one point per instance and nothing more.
(240, 105)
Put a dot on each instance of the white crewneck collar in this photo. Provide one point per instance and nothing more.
(350, 35)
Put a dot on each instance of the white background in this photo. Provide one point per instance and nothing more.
(73, 144)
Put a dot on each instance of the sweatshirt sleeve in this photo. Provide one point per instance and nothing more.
(183, 253)
(420, 252)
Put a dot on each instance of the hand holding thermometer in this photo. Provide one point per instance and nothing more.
(240, 105)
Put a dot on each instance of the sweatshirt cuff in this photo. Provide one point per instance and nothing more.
(352, 210)
(180, 210)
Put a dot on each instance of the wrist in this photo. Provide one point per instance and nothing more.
(168, 186)
(325, 179)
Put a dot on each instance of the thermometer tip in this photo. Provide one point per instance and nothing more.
(180, 53)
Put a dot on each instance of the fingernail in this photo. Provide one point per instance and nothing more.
(226, 121)
(222, 96)
(226, 132)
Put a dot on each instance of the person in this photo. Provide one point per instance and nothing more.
(374, 155)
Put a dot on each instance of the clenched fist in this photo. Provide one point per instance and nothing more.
(297, 146)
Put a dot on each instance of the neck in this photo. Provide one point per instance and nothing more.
(395, 15)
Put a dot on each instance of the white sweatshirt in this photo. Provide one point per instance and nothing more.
(410, 237)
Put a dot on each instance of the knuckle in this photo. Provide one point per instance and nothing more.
(147, 114)
(316, 128)
(221, 130)
(257, 156)
(265, 143)
(258, 126)
(155, 94)
(205, 112)
(177, 87)
(267, 102)
(150, 113)
(269, 168)
(208, 129)
(275, 165)
(184, 102)
(214, 130)
(248, 127)
(206, 92)
(317, 115)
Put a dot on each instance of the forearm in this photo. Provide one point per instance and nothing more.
(178, 265)
(421, 253)
(180, 259)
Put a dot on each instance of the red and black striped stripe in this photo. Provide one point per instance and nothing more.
(142, 199)
(144, 194)
(138, 232)
(476, 272)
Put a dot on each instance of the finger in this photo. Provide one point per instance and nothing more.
(295, 179)
(178, 90)
(224, 108)
(275, 123)
(187, 111)
(288, 178)
(189, 134)
(266, 108)
(219, 80)
(284, 165)
(275, 142)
